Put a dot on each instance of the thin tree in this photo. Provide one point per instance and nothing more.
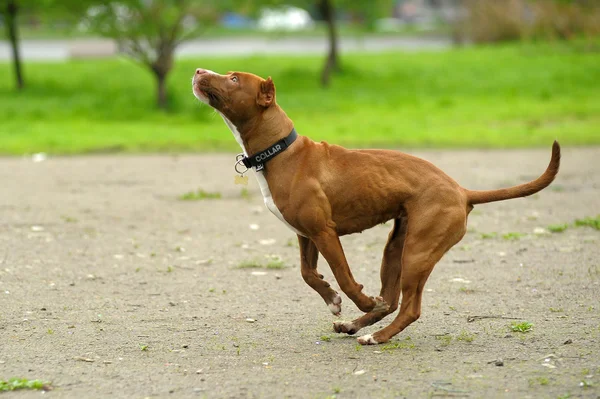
(10, 12)
(149, 31)
(332, 62)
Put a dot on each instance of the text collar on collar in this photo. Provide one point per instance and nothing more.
(259, 159)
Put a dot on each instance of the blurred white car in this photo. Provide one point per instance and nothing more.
(285, 18)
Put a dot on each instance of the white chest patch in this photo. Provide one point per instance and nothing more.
(262, 182)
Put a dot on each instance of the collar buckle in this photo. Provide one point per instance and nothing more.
(240, 159)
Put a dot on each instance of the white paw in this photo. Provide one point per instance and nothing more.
(367, 340)
(335, 309)
(336, 305)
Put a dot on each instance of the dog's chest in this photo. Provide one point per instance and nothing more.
(268, 198)
(262, 182)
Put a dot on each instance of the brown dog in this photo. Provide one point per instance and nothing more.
(323, 191)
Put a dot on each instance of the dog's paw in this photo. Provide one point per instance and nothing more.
(380, 305)
(346, 327)
(367, 340)
(336, 305)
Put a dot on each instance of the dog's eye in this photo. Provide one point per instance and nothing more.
(234, 79)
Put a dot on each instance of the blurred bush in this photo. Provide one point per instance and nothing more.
(487, 21)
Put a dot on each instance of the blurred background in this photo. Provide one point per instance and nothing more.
(88, 76)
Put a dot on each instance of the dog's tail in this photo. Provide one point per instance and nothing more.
(522, 190)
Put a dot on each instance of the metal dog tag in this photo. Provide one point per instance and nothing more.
(240, 180)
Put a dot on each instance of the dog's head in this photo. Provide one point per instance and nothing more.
(239, 96)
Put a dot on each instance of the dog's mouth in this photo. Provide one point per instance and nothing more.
(211, 96)
(205, 93)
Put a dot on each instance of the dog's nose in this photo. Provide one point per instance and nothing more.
(200, 71)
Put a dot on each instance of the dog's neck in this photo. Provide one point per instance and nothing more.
(262, 131)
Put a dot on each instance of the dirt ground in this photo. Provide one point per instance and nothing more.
(110, 286)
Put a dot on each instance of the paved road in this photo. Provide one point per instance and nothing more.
(58, 50)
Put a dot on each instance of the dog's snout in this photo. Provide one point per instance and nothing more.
(200, 71)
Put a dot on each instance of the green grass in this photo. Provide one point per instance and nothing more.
(391, 346)
(521, 327)
(271, 262)
(558, 228)
(445, 339)
(505, 96)
(513, 236)
(589, 222)
(465, 336)
(326, 338)
(15, 384)
(198, 195)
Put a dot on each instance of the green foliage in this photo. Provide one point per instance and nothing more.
(510, 96)
(131, 20)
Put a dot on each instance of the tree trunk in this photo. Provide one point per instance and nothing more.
(12, 32)
(161, 68)
(332, 63)
(161, 90)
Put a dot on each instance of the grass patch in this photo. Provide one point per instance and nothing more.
(586, 384)
(487, 236)
(15, 384)
(557, 228)
(494, 96)
(245, 194)
(466, 290)
(522, 327)
(589, 222)
(198, 195)
(391, 346)
(539, 381)
(270, 262)
(445, 339)
(465, 336)
(513, 236)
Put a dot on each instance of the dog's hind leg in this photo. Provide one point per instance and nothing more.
(391, 267)
(308, 263)
(328, 243)
(428, 238)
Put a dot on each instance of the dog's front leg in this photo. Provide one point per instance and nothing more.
(328, 243)
(308, 263)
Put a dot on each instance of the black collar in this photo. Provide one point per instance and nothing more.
(259, 159)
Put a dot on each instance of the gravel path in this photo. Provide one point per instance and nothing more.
(59, 50)
(112, 287)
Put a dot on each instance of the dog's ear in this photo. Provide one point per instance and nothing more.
(267, 93)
